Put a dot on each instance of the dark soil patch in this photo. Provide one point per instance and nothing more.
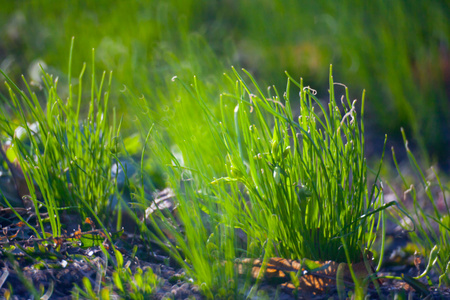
(61, 270)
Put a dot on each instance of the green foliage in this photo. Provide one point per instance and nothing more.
(205, 244)
(306, 179)
(123, 283)
(294, 187)
(397, 50)
(427, 191)
(66, 159)
(288, 185)
(140, 285)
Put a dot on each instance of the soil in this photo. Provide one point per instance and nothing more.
(56, 266)
(62, 270)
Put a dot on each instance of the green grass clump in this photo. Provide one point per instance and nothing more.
(305, 178)
(66, 159)
(278, 182)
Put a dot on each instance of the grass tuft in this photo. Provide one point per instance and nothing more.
(66, 159)
(281, 178)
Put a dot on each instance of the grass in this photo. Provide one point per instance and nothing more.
(287, 170)
(275, 181)
(66, 159)
(427, 193)
(400, 58)
(297, 188)
(256, 173)
(140, 285)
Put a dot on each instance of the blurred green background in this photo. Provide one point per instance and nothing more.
(398, 51)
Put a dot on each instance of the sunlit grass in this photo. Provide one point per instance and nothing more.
(262, 174)
(66, 158)
(274, 182)
(400, 61)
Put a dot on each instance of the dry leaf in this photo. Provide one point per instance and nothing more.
(317, 281)
(90, 222)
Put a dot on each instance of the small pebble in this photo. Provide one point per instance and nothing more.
(63, 263)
